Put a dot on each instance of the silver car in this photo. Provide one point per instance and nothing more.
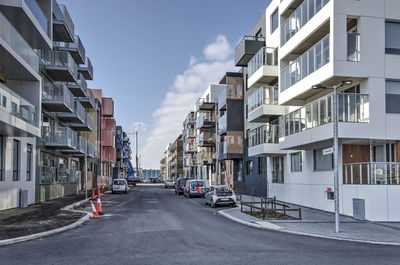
(119, 185)
(169, 183)
(220, 195)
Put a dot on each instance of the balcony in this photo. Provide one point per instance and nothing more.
(190, 133)
(107, 107)
(310, 124)
(87, 125)
(86, 69)
(371, 173)
(300, 17)
(60, 65)
(50, 175)
(63, 27)
(205, 121)
(264, 141)
(231, 147)
(59, 138)
(57, 97)
(88, 101)
(353, 46)
(81, 147)
(204, 158)
(263, 105)
(190, 119)
(78, 88)
(204, 104)
(309, 62)
(18, 116)
(247, 48)
(263, 67)
(13, 46)
(190, 147)
(77, 116)
(222, 125)
(76, 49)
(229, 92)
(206, 140)
(90, 150)
(108, 138)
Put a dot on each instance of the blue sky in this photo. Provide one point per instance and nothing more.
(155, 57)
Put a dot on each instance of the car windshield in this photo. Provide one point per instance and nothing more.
(197, 184)
(119, 182)
(224, 190)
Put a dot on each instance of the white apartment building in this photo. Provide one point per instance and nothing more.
(301, 43)
(24, 28)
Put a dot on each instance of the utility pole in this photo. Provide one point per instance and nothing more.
(335, 148)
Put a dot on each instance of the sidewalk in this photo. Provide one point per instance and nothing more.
(38, 217)
(321, 224)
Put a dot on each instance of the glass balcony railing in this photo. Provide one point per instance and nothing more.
(76, 46)
(82, 145)
(265, 56)
(263, 96)
(79, 110)
(204, 156)
(61, 136)
(206, 138)
(203, 101)
(12, 37)
(90, 150)
(204, 118)
(243, 40)
(300, 17)
(57, 93)
(266, 134)
(87, 69)
(351, 108)
(223, 148)
(190, 133)
(190, 118)
(38, 13)
(14, 104)
(89, 121)
(67, 18)
(310, 61)
(53, 58)
(190, 146)
(222, 124)
(353, 46)
(372, 173)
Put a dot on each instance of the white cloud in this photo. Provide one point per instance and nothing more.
(181, 98)
(218, 50)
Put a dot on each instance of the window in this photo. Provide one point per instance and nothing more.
(322, 162)
(4, 101)
(330, 195)
(1, 159)
(16, 145)
(296, 162)
(392, 37)
(274, 21)
(392, 96)
(277, 170)
(249, 167)
(29, 162)
(260, 167)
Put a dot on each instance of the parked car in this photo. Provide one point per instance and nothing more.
(131, 180)
(169, 183)
(119, 185)
(194, 188)
(180, 185)
(220, 195)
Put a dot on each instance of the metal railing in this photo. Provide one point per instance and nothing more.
(57, 93)
(372, 173)
(249, 38)
(266, 134)
(263, 96)
(265, 56)
(351, 108)
(60, 58)
(76, 45)
(12, 37)
(89, 121)
(307, 63)
(353, 46)
(61, 136)
(204, 117)
(202, 101)
(268, 208)
(82, 145)
(87, 66)
(67, 18)
(300, 17)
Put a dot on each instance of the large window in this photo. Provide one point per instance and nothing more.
(392, 96)
(322, 162)
(249, 167)
(29, 162)
(277, 170)
(296, 162)
(274, 21)
(392, 37)
(1, 159)
(16, 150)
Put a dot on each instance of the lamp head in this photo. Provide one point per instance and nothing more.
(347, 82)
(318, 86)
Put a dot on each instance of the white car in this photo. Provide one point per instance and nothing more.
(194, 188)
(220, 195)
(169, 183)
(119, 185)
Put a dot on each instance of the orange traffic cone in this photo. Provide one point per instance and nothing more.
(99, 210)
(93, 195)
(98, 193)
(94, 212)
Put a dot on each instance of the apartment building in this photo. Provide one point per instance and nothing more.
(189, 146)
(175, 159)
(206, 113)
(295, 46)
(229, 140)
(122, 168)
(24, 29)
(163, 166)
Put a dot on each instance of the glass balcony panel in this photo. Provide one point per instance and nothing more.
(265, 56)
(266, 134)
(38, 13)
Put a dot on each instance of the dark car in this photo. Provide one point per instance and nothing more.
(180, 185)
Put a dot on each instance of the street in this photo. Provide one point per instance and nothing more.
(151, 225)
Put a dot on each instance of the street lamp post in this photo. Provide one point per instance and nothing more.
(335, 148)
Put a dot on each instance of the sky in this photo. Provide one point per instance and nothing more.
(156, 57)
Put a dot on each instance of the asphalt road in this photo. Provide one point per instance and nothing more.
(150, 225)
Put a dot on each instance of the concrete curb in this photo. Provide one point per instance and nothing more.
(273, 227)
(77, 223)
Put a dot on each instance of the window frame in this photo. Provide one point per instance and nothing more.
(274, 27)
(315, 160)
(300, 155)
(29, 161)
(249, 167)
(2, 159)
(16, 151)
